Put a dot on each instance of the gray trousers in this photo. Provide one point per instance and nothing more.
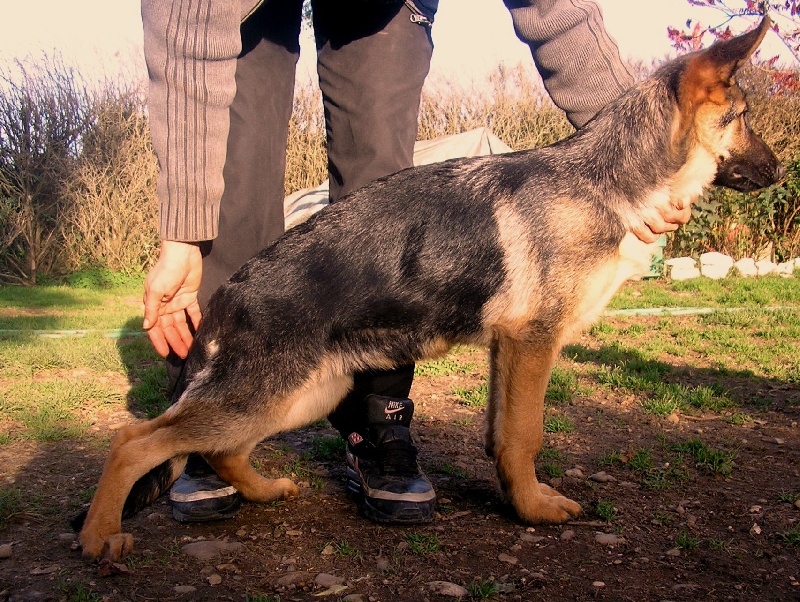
(372, 62)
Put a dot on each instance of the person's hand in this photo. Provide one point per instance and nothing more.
(667, 217)
(170, 295)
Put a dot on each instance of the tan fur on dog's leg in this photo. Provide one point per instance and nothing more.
(236, 470)
(522, 374)
(135, 450)
(496, 406)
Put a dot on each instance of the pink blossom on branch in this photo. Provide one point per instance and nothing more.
(785, 17)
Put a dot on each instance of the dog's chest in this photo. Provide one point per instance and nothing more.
(632, 260)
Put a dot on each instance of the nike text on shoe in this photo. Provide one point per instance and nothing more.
(382, 470)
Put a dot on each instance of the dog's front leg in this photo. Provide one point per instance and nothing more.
(520, 374)
(132, 454)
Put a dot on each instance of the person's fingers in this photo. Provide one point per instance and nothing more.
(644, 233)
(181, 327)
(152, 305)
(158, 340)
(195, 314)
(173, 335)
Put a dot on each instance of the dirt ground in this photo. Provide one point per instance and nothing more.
(678, 531)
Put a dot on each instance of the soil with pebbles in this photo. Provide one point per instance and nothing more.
(673, 531)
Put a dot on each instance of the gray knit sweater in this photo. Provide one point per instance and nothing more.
(191, 48)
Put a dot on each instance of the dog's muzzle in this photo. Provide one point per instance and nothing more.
(753, 168)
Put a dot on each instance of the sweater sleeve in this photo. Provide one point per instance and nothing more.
(577, 59)
(190, 49)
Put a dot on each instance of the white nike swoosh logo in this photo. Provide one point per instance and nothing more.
(387, 411)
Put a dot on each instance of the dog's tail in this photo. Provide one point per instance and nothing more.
(146, 490)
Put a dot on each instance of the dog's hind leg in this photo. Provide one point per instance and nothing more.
(236, 470)
(135, 450)
(316, 399)
(521, 372)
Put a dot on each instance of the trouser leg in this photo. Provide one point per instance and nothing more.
(372, 63)
(251, 209)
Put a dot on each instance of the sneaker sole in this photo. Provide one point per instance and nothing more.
(188, 512)
(402, 513)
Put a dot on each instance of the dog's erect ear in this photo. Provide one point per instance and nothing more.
(709, 71)
(728, 55)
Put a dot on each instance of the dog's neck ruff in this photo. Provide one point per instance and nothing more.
(681, 191)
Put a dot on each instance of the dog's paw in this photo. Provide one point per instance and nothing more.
(111, 547)
(287, 488)
(546, 506)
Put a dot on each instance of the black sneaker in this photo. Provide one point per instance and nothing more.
(382, 470)
(199, 495)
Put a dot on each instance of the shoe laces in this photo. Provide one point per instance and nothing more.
(397, 457)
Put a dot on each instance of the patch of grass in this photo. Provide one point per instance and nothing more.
(739, 419)
(85, 495)
(78, 593)
(662, 519)
(443, 367)
(149, 394)
(610, 458)
(482, 589)
(550, 453)
(606, 510)
(464, 421)
(719, 545)
(295, 468)
(10, 505)
(662, 478)
(704, 292)
(552, 470)
(660, 406)
(423, 544)
(454, 471)
(709, 459)
(473, 397)
(54, 409)
(327, 448)
(601, 327)
(558, 424)
(791, 537)
(710, 398)
(788, 497)
(686, 542)
(33, 356)
(641, 461)
(344, 549)
(563, 387)
(169, 552)
(69, 308)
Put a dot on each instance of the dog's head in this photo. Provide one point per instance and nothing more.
(709, 93)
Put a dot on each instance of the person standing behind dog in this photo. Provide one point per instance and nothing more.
(221, 90)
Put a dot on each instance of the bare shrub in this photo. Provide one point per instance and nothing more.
(111, 195)
(306, 158)
(44, 109)
(510, 103)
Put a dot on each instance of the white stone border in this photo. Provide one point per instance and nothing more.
(717, 265)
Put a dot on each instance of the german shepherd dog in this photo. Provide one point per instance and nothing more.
(516, 252)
